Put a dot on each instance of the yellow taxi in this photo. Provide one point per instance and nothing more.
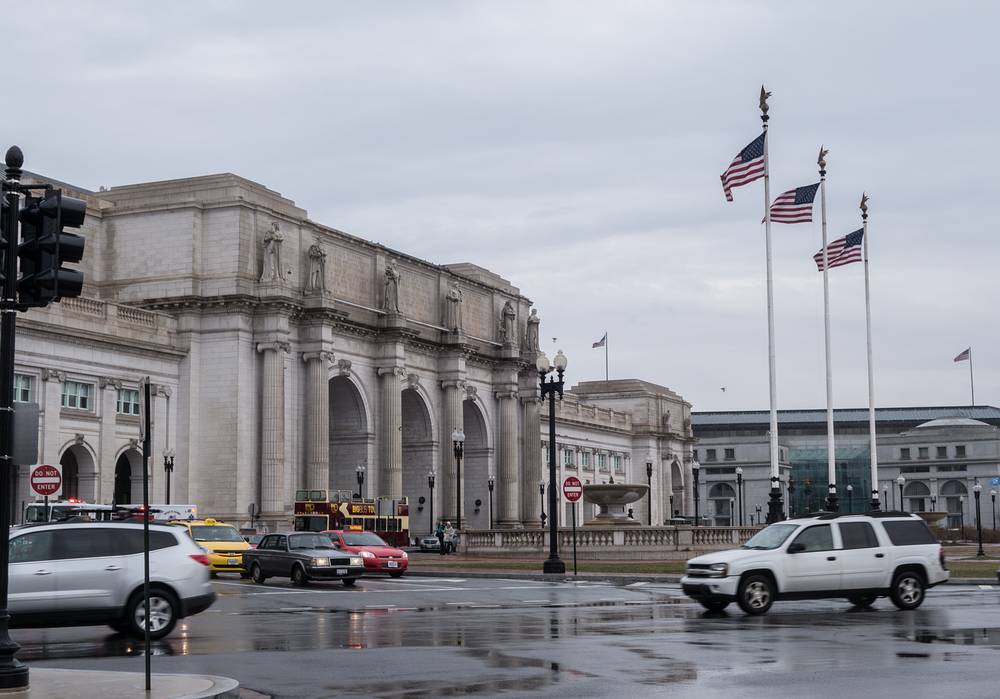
(223, 542)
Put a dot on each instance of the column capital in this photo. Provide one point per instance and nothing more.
(53, 375)
(277, 346)
(506, 393)
(399, 371)
(460, 384)
(164, 390)
(321, 355)
(109, 383)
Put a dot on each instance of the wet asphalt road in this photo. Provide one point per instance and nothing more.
(454, 637)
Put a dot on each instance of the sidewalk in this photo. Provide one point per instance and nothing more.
(50, 683)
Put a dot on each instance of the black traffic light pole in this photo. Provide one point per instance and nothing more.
(13, 673)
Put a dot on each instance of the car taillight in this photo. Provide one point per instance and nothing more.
(944, 565)
(200, 557)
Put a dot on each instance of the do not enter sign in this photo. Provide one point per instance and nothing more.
(46, 480)
(572, 489)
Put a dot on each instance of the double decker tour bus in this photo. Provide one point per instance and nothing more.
(320, 510)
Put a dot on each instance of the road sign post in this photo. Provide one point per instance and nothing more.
(572, 491)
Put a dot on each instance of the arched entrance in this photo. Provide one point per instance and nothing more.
(675, 501)
(128, 478)
(418, 459)
(722, 496)
(955, 494)
(349, 437)
(475, 469)
(79, 474)
(916, 496)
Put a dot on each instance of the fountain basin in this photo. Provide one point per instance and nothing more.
(612, 498)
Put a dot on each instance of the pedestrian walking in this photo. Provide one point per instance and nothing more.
(439, 533)
(449, 538)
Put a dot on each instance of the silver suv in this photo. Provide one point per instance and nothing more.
(857, 557)
(77, 574)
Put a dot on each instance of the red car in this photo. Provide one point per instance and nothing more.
(379, 557)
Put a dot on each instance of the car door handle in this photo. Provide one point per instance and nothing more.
(43, 572)
(831, 558)
(879, 555)
(112, 567)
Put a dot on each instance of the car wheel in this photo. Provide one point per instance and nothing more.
(299, 576)
(257, 574)
(862, 600)
(907, 591)
(755, 594)
(162, 614)
(349, 582)
(713, 606)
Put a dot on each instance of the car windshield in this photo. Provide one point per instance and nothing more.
(363, 539)
(215, 533)
(770, 538)
(309, 541)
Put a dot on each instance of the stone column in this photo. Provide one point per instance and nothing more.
(508, 510)
(391, 433)
(454, 418)
(272, 437)
(534, 471)
(317, 419)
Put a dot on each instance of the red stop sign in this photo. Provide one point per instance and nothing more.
(46, 480)
(572, 489)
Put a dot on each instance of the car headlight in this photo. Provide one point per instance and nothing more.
(367, 554)
(405, 554)
(718, 570)
(355, 561)
(321, 561)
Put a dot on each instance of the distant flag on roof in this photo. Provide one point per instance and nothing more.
(842, 251)
(747, 166)
(795, 205)
(964, 355)
(600, 343)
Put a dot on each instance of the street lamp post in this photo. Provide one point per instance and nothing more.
(791, 499)
(550, 388)
(961, 516)
(739, 491)
(732, 512)
(850, 498)
(900, 481)
(695, 467)
(360, 473)
(758, 514)
(993, 497)
(670, 498)
(431, 477)
(458, 441)
(977, 489)
(934, 503)
(541, 491)
(490, 482)
(168, 468)
(649, 493)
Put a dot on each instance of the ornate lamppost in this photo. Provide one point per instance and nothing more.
(359, 472)
(458, 441)
(695, 467)
(850, 498)
(649, 493)
(550, 388)
(993, 497)
(739, 491)
(900, 481)
(431, 477)
(961, 515)
(758, 514)
(976, 489)
(541, 491)
(490, 482)
(168, 468)
(791, 497)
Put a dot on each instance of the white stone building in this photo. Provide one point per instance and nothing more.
(285, 354)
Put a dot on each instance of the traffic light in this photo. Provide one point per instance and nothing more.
(45, 247)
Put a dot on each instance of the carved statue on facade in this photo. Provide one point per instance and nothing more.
(316, 277)
(272, 255)
(532, 334)
(507, 318)
(390, 299)
(453, 308)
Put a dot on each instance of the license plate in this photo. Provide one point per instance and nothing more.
(391, 564)
(234, 561)
(341, 571)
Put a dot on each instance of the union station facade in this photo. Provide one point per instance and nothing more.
(285, 354)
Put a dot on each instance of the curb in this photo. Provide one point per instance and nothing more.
(64, 683)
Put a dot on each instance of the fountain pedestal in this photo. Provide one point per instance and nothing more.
(613, 495)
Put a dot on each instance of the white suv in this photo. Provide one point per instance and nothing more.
(78, 574)
(859, 557)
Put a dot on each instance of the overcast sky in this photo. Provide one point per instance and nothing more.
(575, 148)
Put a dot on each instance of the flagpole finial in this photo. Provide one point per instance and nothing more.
(764, 94)
(864, 205)
(821, 161)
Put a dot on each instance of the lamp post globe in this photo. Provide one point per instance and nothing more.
(900, 481)
(360, 474)
(977, 490)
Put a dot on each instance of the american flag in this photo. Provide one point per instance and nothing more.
(964, 355)
(795, 205)
(747, 166)
(842, 251)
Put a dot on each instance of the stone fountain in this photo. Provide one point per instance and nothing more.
(613, 495)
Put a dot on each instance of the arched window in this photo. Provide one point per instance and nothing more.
(954, 494)
(916, 494)
(721, 497)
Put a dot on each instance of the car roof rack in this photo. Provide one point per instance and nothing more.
(825, 515)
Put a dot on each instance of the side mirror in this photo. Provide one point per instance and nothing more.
(796, 548)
